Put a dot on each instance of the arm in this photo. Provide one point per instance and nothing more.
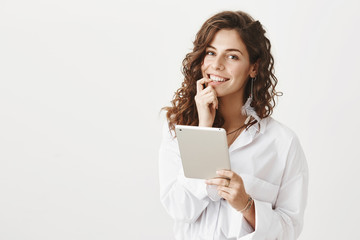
(285, 221)
(184, 199)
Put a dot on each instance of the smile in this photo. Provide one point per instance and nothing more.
(215, 78)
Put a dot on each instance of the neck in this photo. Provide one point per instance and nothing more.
(230, 109)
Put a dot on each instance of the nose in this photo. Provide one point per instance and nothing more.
(217, 64)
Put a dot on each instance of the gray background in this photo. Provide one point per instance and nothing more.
(81, 86)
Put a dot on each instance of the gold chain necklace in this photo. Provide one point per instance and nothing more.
(235, 131)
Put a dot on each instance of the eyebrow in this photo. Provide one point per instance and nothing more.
(228, 50)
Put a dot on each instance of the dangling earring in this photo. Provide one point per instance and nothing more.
(247, 110)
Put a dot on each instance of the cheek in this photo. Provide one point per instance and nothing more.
(205, 64)
(239, 72)
(203, 69)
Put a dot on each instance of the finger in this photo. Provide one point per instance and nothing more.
(217, 181)
(199, 85)
(224, 195)
(206, 100)
(225, 189)
(215, 102)
(226, 174)
(234, 184)
(210, 98)
(209, 89)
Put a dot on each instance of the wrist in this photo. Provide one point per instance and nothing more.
(247, 205)
(205, 124)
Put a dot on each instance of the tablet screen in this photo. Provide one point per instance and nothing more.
(203, 150)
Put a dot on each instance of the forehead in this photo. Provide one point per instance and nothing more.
(228, 39)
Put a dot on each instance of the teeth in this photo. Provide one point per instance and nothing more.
(217, 79)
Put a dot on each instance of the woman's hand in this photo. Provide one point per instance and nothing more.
(206, 103)
(230, 186)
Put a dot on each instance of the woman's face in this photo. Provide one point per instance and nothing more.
(226, 63)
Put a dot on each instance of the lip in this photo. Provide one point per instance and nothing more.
(214, 82)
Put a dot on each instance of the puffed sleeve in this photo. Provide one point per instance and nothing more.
(285, 220)
(183, 198)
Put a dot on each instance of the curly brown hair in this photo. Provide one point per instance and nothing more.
(183, 110)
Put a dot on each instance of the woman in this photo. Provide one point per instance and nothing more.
(229, 83)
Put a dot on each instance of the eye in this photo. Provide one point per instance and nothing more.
(210, 53)
(234, 57)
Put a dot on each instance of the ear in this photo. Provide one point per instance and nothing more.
(254, 69)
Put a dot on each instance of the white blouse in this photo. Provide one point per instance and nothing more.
(272, 164)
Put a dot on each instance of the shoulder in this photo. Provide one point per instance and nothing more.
(278, 130)
(281, 137)
(167, 133)
(288, 144)
(169, 140)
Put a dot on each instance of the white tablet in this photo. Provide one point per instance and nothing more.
(203, 150)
